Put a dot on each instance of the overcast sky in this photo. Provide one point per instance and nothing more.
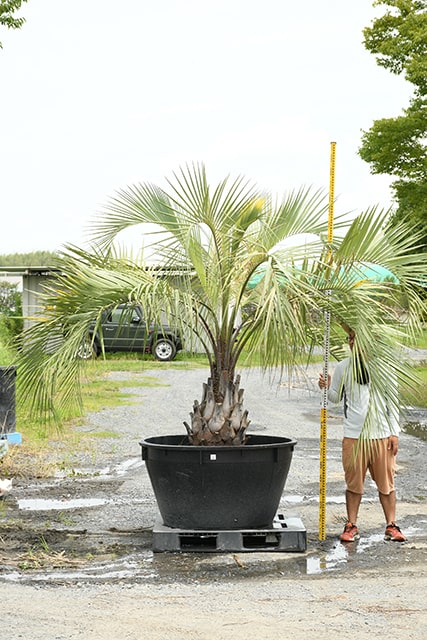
(99, 94)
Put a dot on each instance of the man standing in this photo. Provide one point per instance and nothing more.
(351, 384)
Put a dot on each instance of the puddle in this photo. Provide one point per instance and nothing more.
(417, 429)
(297, 499)
(416, 422)
(342, 554)
(44, 504)
(129, 568)
(327, 561)
(120, 469)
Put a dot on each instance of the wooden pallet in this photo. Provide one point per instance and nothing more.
(286, 534)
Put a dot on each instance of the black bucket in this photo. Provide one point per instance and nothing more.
(216, 487)
(7, 400)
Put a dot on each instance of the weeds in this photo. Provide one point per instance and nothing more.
(65, 519)
(34, 559)
(26, 461)
(44, 545)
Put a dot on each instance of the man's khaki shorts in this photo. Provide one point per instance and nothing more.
(358, 457)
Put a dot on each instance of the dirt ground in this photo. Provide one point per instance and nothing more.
(76, 549)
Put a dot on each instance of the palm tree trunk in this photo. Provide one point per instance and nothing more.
(219, 419)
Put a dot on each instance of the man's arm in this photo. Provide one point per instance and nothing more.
(335, 387)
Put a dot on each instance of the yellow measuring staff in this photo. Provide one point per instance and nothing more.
(324, 409)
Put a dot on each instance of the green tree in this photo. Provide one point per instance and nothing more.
(396, 146)
(7, 19)
(219, 249)
(11, 322)
(32, 259)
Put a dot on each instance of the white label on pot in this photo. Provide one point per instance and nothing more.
(213, 456)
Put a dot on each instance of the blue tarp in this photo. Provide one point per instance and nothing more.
(369, 271)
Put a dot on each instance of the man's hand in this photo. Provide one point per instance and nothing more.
(393, 444)
(322, 383)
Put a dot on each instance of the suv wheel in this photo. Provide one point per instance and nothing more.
(164, 349)
(87, 350)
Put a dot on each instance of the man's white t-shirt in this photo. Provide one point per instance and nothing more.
(356, 404)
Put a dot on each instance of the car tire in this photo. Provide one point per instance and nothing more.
(88, 349)
(164, 350)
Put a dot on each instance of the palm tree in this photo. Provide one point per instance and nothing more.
(241, 272)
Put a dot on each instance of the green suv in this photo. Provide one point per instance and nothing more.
(123, 328)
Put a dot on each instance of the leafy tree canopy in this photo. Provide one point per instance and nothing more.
(10, 310)
(7, 19)
(9, 297)
(396, 146)
(32, 259)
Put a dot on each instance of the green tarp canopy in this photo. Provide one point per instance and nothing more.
(373, 272)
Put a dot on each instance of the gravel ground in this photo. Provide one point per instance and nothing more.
(89, 571)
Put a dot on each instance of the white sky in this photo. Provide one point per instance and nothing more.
(99, 94)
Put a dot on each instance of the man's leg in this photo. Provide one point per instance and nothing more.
(355, 466)
(382, 469)
(383, 474)
(354, 470)
(388, 503)
(353, 501)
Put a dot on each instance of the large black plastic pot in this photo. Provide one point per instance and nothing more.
(236, 487)
(7, 399)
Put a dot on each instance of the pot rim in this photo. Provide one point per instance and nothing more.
(181, 441)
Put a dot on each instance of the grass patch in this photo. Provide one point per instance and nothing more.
(101, 392)
(104, 434)
(143, 361)
(98, 392)
(418, 395)
(422, 340)
(27, 460)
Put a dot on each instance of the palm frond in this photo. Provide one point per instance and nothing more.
(222, 249)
